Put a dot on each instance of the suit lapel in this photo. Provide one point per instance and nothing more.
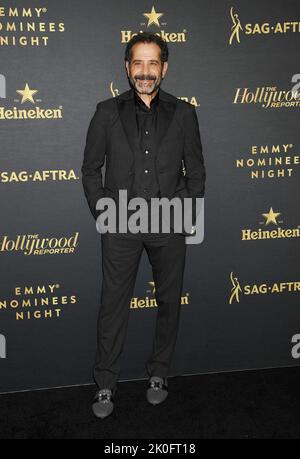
(126, 107)
(127, 114)
(165, 111)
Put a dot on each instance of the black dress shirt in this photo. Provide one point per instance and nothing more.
(145, 182)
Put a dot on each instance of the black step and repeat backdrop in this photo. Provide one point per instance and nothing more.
(237, 63)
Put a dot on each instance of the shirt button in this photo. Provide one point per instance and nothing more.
(146, 171)
(147, 132)
(146, 151)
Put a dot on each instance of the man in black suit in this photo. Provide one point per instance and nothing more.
(146, 135)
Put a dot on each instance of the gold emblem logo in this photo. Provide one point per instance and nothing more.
(27, 94)
(153, 17)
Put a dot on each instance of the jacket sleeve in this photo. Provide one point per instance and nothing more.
(94, 157)
(195, 172)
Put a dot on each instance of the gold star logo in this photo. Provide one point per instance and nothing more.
(271, 217)
(153, 17)
(27, 94)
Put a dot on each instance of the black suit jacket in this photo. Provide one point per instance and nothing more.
(112, 135)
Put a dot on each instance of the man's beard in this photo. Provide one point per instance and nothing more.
(145, 88)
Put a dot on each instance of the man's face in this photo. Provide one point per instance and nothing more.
(145, 71)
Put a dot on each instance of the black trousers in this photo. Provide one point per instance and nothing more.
(120, 261)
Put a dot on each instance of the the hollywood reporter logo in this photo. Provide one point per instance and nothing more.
(2, 347)
(183, 210)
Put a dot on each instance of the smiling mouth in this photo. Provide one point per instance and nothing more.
(145, 83)
(143, 80)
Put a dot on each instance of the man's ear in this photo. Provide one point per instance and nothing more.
(165, 67)
(126, 67)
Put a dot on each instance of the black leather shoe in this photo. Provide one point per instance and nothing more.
(103, 404)
(157, 390)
